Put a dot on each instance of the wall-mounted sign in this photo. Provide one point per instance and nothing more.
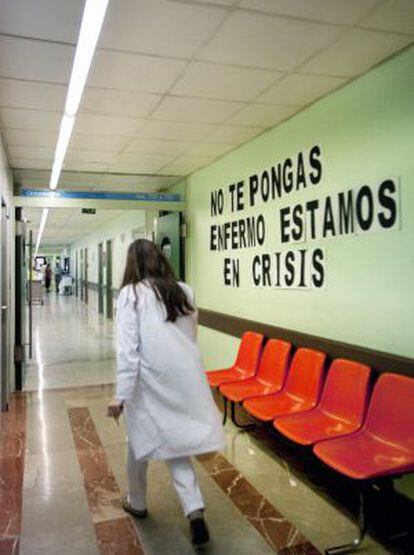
(294, 262)
(99, 195)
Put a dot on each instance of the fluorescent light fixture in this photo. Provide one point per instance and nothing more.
(41, 229)
(92, 20)
(65, 133)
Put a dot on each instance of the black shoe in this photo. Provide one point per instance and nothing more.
(137, 513)
(199, 531)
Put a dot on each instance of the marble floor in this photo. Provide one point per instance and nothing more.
(72, 345)
(62, 468)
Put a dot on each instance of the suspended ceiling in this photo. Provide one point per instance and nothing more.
(67, 225)
(175, 84)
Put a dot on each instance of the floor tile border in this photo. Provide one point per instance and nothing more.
(282, 536)
(12, 459)
(113, 530)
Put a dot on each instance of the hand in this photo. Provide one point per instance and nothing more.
(115, 409)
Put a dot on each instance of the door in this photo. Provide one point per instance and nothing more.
(4, 321)
(76, 274)
(22, 262)
(86, 276)
(100, 279)
(81, 273)
(109, 296)
(167, 237)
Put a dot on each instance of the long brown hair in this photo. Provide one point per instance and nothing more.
(145, 261)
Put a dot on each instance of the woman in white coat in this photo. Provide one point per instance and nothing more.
(162, 390)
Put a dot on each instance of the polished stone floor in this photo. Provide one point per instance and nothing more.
(72, 345)
(258, 501)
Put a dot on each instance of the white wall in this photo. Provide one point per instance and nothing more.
(122, 230)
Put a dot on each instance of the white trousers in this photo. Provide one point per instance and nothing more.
(183, 478)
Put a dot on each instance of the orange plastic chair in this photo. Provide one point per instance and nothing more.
(270, 377)
(301, 392)
(246, 363)
(384, 447)
(341, 409)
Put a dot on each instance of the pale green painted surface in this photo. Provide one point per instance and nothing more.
(366, 131)
(219, 349)
(179, 188)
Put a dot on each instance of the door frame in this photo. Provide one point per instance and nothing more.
(86, 296)
(100, 279)
(109, 292)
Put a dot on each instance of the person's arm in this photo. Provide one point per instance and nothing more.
(128, 360)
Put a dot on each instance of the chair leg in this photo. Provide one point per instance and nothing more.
(237, 424)
(224, 410)
(362, 527)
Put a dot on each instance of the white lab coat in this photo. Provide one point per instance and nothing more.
(169, 409)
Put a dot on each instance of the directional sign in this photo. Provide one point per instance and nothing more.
(99, 195)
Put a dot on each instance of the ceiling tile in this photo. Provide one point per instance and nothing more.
(224, 3)
(118, 103)
(153, 160)
(134, 168)
(195, 110)
(262, 115)
(334, 11)
(174, 130)
(114, 143)
(101, 156)
(31, 152)
(356, 52)
(177, 171)
(31, 163)
(232, 134)
(105, 125)
(192, 162)
(134, 72)
(80, 166)
(30, 119)
(158, 26)
(158, 146)
(268, 42)
(27, 94)
(17, 137)
(223, 81)
(209, 149)
(392, 15)
(45, 19)
(299, 89)
(26, 59)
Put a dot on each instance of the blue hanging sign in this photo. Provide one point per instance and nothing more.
(99, 195)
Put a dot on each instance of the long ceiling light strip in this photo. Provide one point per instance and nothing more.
(92, 20)
(41, 228)
(65, 133)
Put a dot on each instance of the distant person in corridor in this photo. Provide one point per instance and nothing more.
(48, 277)
(161, 386)
(58, 275)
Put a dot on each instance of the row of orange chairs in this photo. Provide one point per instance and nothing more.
(360, 433)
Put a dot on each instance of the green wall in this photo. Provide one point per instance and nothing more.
(366, 132)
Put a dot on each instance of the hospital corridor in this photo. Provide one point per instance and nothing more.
(206, 277)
